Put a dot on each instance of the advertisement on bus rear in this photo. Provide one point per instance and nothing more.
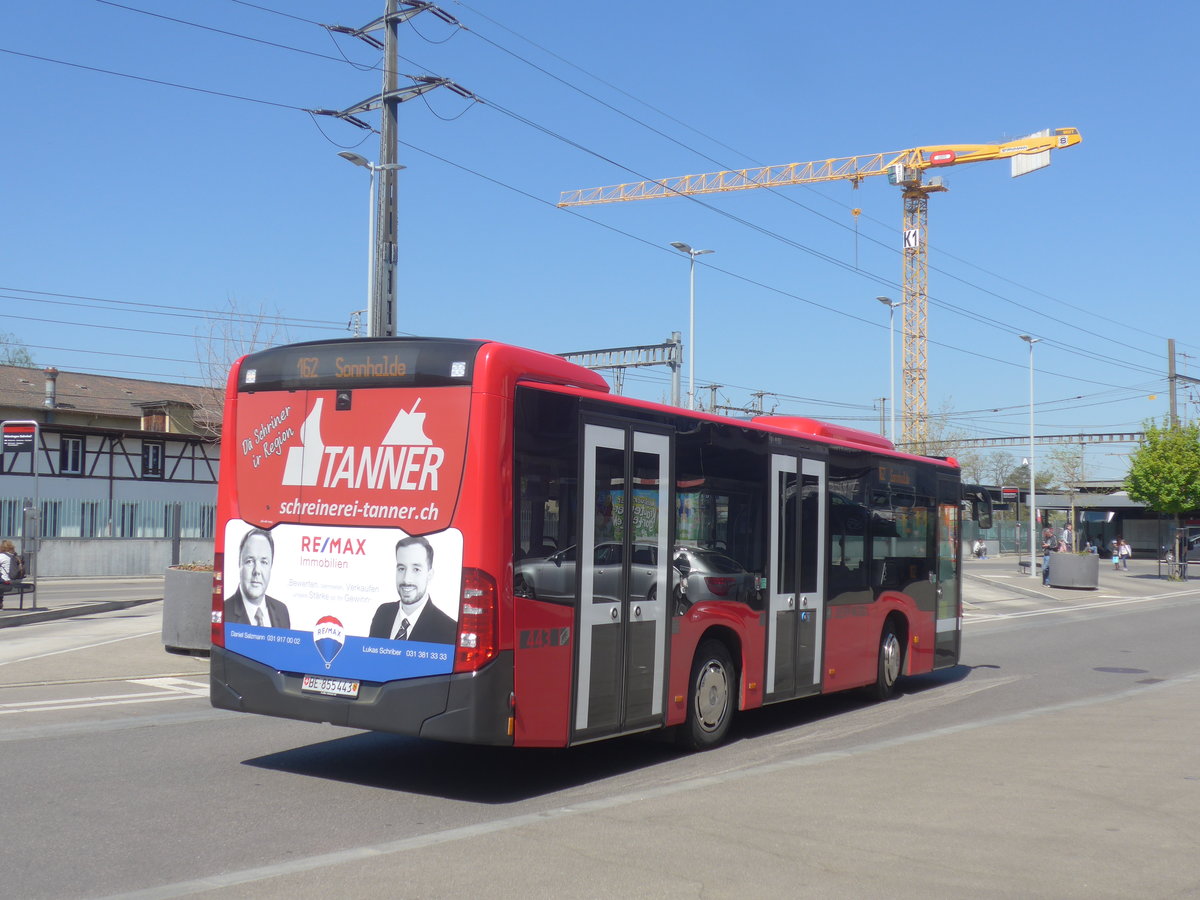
(354, 603)
(341, 565)
(374, 457)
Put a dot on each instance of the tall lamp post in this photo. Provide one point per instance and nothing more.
(372, 168)
(691, 350)
(1032, 490)
(891, 305)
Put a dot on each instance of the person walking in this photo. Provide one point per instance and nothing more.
(1049, 545)
(1124, 551)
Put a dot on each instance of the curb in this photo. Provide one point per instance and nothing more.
(28, 617)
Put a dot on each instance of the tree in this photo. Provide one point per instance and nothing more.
(973, 465)
(999, 468)
(1019, 477)
(230, 335)
(1164, 472)
(1071, 465)
(941, 439)
(13, 352)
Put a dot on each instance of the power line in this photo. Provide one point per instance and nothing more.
(157, 81)
(176, 311)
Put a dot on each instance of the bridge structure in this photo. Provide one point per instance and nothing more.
(1128, 437)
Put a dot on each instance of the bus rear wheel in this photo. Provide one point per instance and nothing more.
(710, 697)
(891, 661)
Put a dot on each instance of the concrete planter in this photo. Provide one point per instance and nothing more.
(1075, 570)
(187, 610)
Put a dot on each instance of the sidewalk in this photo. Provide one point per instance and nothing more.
(64, 598)
(1000, 578)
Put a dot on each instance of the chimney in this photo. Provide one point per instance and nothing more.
(51, 401)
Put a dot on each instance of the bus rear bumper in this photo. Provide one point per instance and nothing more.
(469, 707)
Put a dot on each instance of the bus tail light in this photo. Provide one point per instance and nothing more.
(477, 621)
(218, 601)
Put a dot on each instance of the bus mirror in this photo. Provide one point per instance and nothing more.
(983, 514)
(981, 504)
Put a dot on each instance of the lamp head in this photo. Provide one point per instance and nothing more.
(356, 159)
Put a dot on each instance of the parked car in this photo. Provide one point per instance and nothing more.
(553, 578)
(711, 575)
(1191, 545)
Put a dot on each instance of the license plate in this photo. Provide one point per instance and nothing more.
(331, 687)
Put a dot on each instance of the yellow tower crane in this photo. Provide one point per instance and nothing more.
(904, 168)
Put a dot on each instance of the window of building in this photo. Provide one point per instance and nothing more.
(154, 420)
(70, 456)
(152, 459)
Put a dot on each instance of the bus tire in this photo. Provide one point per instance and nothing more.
(711, 692)
(890, 663)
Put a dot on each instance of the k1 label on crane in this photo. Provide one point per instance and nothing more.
(942, 158)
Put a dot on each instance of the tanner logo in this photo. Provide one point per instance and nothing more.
(405, 460)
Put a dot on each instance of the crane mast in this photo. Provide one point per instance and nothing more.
(904, 168)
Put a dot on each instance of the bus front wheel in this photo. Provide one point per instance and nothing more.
(711, 694)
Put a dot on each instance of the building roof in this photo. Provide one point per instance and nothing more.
(103, 396)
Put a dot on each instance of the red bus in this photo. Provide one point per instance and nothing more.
(467, 541)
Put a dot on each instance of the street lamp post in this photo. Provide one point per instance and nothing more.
(372, 302)
(891, 305)
(1032, 489)
(691, 350)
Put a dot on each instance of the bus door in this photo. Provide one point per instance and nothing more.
(949, 596)
(624, 561)
(796, 596)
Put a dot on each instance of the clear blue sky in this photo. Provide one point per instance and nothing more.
(134, 211)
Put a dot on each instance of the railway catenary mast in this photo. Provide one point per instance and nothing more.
(904, 168)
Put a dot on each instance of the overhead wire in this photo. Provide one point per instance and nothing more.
(767, 232)
(933, 300)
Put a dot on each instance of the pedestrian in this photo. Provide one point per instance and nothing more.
(10, 568)
(1068, 538)
(1124, 551)
(1116, 551)
(1049, 545)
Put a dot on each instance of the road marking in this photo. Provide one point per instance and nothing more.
(182, 685)
(73, 649)
(87, 702)
(1059, 610)
(167, 689)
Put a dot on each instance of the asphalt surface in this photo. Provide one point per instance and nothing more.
(1096, 797)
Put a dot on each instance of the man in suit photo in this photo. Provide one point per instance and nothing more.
(249, 604)
(413, 617)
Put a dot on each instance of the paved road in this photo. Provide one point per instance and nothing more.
(1058, 761)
